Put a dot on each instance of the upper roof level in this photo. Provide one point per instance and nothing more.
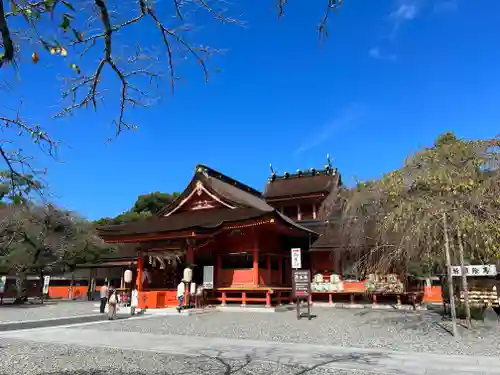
(303, 184)
(209, 204)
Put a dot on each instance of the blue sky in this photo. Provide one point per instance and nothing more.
(390, 78)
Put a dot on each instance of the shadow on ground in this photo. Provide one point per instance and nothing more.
(215, 364)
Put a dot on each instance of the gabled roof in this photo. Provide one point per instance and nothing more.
(188, 220)
(234, 193)
(302, 184)
(235, 202)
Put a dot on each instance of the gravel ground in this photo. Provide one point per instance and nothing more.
(27, 358)
(17, 313)
(393, 330)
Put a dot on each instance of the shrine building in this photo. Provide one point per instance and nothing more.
(217, 221)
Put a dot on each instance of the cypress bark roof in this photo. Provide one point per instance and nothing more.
(237, 202)
(321, 182)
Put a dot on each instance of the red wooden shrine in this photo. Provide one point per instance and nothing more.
(220, 222)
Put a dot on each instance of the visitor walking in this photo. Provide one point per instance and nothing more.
(113, 302)
(134, 300)
(104, 297)
(181, 289)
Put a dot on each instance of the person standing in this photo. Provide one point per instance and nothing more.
(104, 297)
(113, 302)
(199, 297)
(134, 300)
(181, 289)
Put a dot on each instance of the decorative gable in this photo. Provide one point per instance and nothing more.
(200, 198)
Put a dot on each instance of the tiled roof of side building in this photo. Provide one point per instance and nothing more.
(321, 182)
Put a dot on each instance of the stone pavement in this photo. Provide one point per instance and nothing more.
(332, 357)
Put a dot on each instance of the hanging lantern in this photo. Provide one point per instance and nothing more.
(188, 275)
(127, 276)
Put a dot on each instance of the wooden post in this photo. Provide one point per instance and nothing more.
(268, 299)
(465, 286)
(218, 269)
(268, 269)
(450, 277)
(190, 255)
(140, 272)
(255, 269)
(280, 269)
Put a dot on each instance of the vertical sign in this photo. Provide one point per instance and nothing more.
(301, 288)
(46, 282)
(296, 258)
(3, 282)
(301, 283)
(208, 277)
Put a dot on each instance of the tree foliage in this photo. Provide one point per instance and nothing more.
(145, 206)
(396, 221)
(37, 238)
(91, 41)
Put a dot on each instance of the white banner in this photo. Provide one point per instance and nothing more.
(46, 282)
(477, 270)
(296, 258)
(3, 282)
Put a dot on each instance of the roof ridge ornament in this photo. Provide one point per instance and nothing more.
(199, 187)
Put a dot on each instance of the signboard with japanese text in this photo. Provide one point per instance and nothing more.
(208, 277)
(301, 283)
(476, 270)
(296, 258)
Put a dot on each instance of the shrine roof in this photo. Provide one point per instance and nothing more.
(227, 188)
(302, 184)
(329, 235)
(187, 220)
(235, 202)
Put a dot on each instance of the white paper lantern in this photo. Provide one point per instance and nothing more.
(188, 275)
(127, 276)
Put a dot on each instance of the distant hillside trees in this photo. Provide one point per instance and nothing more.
(145, 206)
(36, 237)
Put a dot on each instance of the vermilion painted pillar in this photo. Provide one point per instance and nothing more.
(218, 268)
(268, 269)
(255, 269)
(140, 272)
(280, 268)
(190, 255)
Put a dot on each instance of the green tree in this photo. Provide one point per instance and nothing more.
(442, 196)
(145, 206)
(16, 188)
(37, 239)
